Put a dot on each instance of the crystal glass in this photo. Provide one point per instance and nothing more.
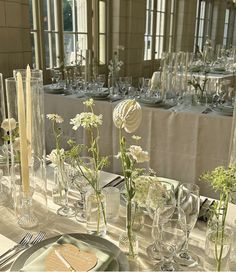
(78, 173)
(157, 197)
(112, 195)
(189, 201)
(125, 83)
(169, 231)
(64, 183)
(30, 201)
(100, 80)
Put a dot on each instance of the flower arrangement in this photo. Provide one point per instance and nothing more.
(223, 180)
(11, 129)
(127, 116)
(91, 123)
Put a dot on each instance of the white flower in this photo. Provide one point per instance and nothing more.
(8, 124)
(138, 154)
(86, 120)
(128, 115)
(142, 184)
(137, 138)
(16, 144)
(89, 102)
(56, 156)
(55, 117)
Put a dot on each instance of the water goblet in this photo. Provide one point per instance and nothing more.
(189, 201)
(159, 195)
(101, 79)
(169, 231)
(63, 179)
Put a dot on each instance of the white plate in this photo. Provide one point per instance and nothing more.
(224, 110)
(31, 253)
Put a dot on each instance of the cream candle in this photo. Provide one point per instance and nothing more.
(28, 110)
(23, 138)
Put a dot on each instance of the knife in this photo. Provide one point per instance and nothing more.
(114, 182)
(64, 261)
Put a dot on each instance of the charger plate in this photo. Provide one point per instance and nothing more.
(120, 261)
(224, 110)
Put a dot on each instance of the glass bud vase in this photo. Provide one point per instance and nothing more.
(128, 241)
(58, 194)
(217, 247)
(95, 213)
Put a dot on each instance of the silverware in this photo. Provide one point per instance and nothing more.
(207, 110)
(38, 238)
(25, 240)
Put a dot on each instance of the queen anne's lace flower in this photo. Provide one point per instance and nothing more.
(86, 120)
(8, 124)
(138, 154)
(55, 117)
(56, 156)
(89, 102)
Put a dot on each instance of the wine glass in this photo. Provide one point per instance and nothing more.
(125, 83)
(100, 80)
(63, 179)
(169, 231)
(189, 201)
(80, 171)
(159, 194)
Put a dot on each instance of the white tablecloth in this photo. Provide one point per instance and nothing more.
(55, 225)
(182, 145)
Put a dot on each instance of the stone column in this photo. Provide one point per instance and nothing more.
(15, 45)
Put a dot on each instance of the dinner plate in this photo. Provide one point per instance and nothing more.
(97, 96)
(150, 102)
(54, 90)
(224, 110)
(33, 252)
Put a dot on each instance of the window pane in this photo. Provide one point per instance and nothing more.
(69, 48)
(81, 15)
(67, 16)
(148, 47)
(149, 22)
(102, 49)
(102, 17)
(47, 53)
(45, 14)
(159, 47)
(52, 14)
(82, 41)
(31, 14)
(150, 4)
(163, 5)
(33, 41)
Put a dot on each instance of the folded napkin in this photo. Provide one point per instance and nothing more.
(105, 260)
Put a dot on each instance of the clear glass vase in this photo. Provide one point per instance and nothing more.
(128, 241)
(217, 247)
(29, 185)
(95, 213)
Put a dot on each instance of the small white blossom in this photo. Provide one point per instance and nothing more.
(8, 124)
(137, 138)
(55, 117)
(86, 120)
(56, 156)
(138, 154)
(89, 102)
(16, 144)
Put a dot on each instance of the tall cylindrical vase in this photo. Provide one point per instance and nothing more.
(29, 185)
(128, 241)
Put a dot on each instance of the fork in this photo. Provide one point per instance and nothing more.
(25, 240)
(38, 238)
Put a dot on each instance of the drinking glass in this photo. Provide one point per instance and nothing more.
(64, 181)
(79, 173)
(169, 231)
(125, 83)
(101, 79)
(158, 196)
(189, 201)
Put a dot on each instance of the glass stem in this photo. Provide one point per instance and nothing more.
(66, 198)
(185, 247)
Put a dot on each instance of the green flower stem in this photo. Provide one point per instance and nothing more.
(129, 227)
(222, 231)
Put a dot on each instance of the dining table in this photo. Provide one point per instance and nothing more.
(54, 225)
(182, 142)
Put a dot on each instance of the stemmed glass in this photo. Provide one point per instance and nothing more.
(170, 234)
(79, 175)
(189, 201)
(159, 195)
(65, 210)
(125, 83)
(100, 80)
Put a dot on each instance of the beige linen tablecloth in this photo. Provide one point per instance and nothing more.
(182, 145)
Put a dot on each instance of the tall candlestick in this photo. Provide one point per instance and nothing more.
(28, 111)
(23, 138)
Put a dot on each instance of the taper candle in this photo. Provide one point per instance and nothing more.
(28, 110)
(23, 138)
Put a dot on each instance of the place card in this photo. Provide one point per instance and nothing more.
(77, 259)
